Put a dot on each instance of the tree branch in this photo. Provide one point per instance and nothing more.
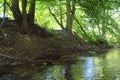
(80, 25)
(56, 19)
(60, 12)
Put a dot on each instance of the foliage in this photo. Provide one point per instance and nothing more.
(97, 18)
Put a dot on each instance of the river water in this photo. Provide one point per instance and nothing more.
(98, 67)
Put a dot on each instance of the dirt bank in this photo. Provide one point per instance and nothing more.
(37, 44)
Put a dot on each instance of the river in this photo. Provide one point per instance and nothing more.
(105, 66)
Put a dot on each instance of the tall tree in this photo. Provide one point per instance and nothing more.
(70, 7)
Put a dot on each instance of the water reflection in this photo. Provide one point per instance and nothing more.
(56, 72)
(102, 67)
(88, 68)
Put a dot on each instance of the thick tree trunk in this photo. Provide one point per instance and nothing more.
(31, 13)
(16, 11)
(70, 14)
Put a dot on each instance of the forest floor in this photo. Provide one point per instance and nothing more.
(39, 45)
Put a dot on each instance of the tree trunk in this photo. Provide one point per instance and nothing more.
(24, 21)
(16, 11)
(70, 15)
(104, 24)
(61, 13)
(31, 13)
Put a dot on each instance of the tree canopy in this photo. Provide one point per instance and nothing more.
(92, 20)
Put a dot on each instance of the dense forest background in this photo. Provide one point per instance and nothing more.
(92, 20)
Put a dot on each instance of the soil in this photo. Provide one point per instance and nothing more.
(37, 44)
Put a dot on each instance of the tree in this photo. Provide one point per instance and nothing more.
(17, 14)
(70, 12)
(23, 17)
(99, 15)
(70, 6)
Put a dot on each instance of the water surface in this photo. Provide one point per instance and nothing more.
(100, 67)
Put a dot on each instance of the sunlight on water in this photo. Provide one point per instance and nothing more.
(102, 67)
(88, 68)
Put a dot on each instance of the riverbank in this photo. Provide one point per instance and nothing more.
(74, 71)
(40, 46)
